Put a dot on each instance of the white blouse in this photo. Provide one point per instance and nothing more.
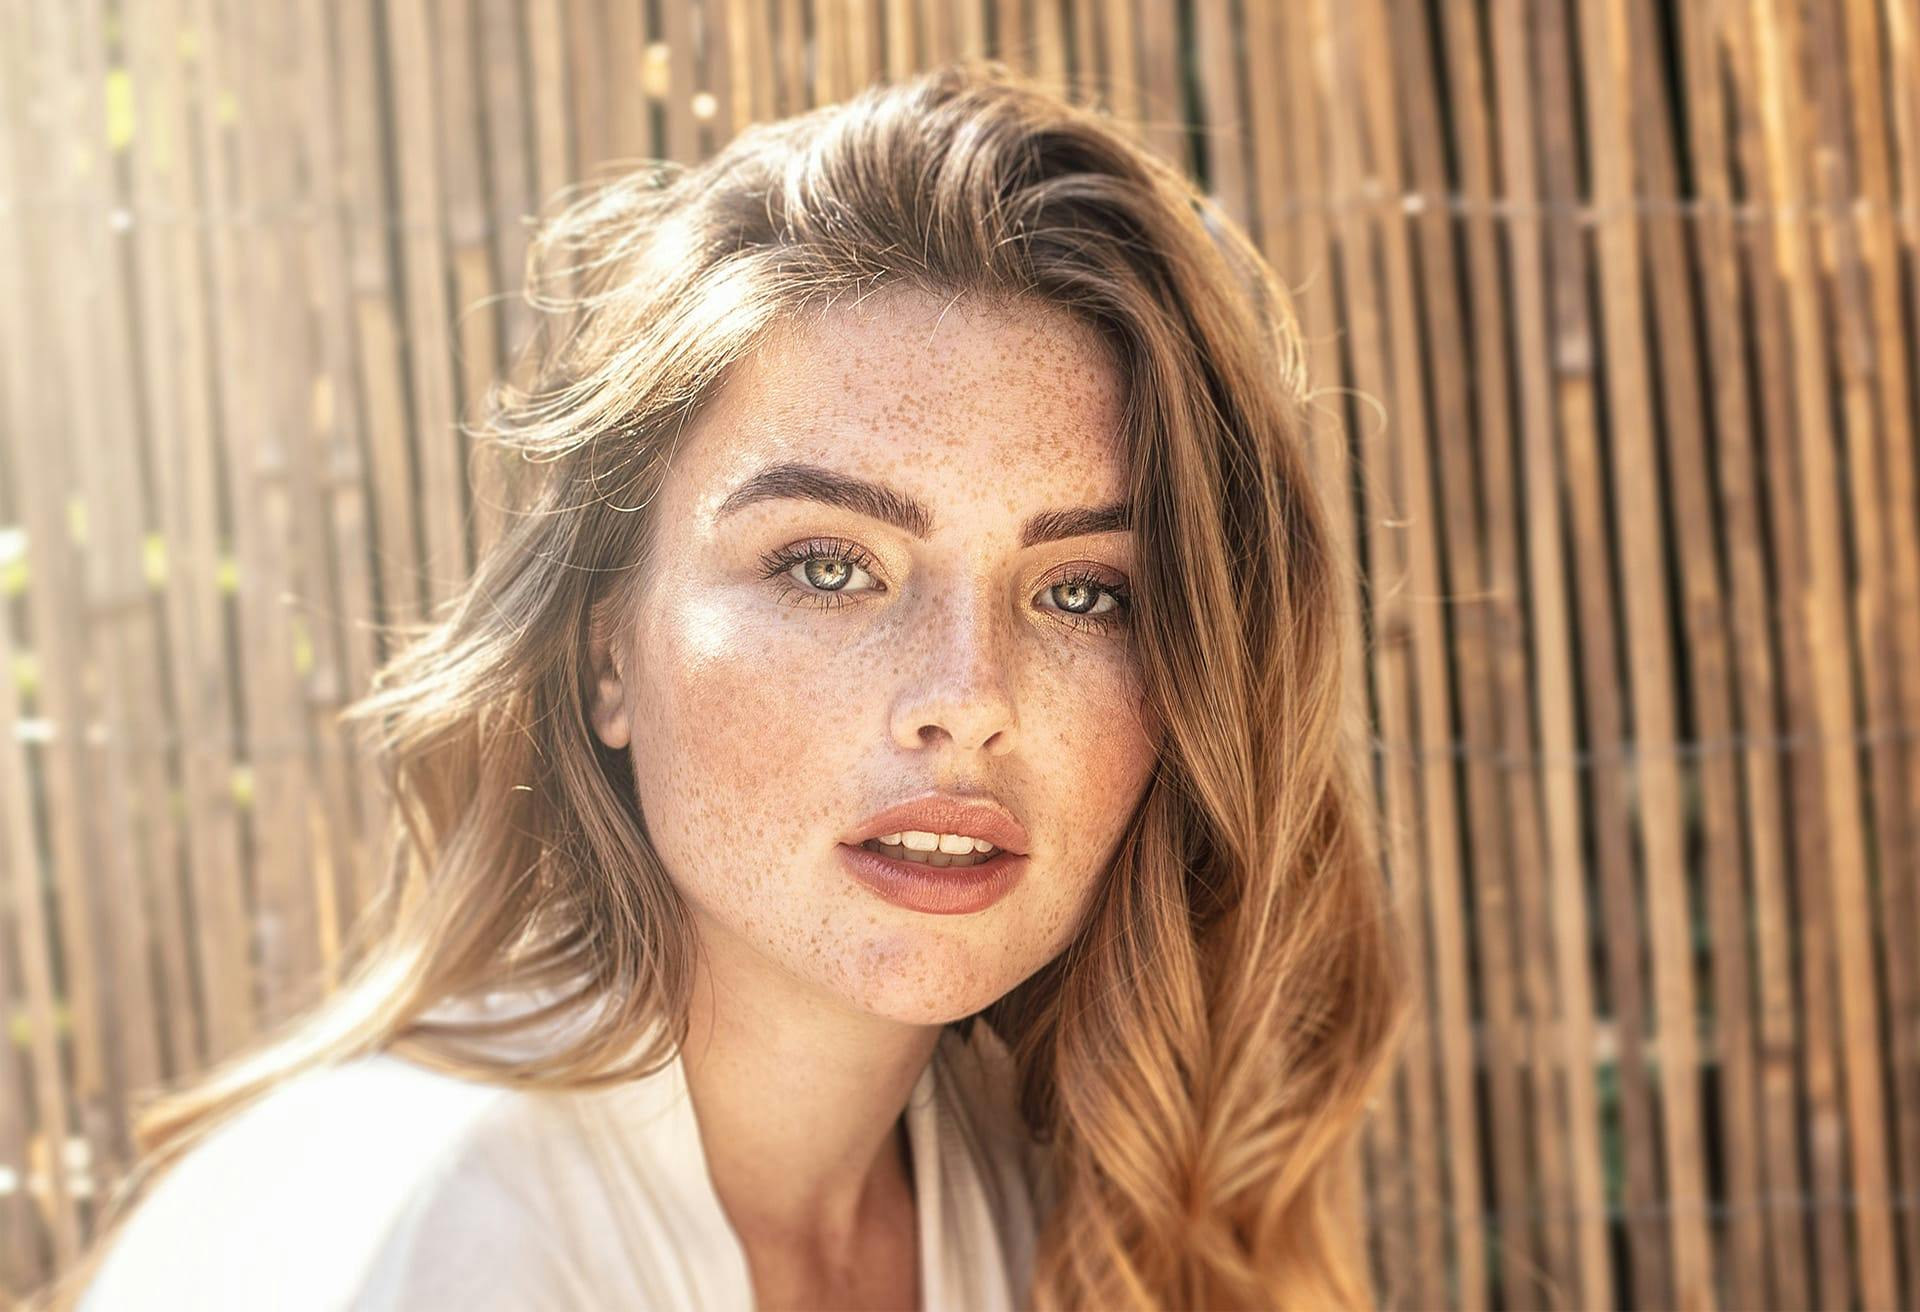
(377, 1183)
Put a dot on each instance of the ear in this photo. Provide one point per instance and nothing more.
(606, 654)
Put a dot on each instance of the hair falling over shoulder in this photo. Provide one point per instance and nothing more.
(1199, 1059)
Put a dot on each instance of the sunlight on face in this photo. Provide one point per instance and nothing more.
(795, 667)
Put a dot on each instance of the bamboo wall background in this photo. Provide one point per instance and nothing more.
(1612, 305)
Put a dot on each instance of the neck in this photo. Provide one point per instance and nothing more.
(800, 1102)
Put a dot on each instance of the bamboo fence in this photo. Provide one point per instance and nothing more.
(1612, 310)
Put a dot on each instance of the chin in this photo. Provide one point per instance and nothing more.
(922, 983)
(928, 1013)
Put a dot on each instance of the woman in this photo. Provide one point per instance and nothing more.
(879, 827)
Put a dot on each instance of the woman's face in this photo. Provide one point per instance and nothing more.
(772, 699)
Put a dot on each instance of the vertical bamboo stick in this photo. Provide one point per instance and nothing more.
(470, 222)
(1050, 42)
(1707, 661)
(790, 57)
(748, 65)
(1400, 470)
(118, 605)
(1780, 1274)
(150, 57)
(1225, 126)
(1573, 357)
(423, 257)
(1519, 797)
(1824, 618)
(46, 1203)
(1882, 491)
(589, 73)
(261, 351)
(1465, 594)
(507, 116)
(1552, 671)
(1604, 37)
(370, 210)
(186, 484)
(302, 785)
(726, 114)
(1162, 105)
(1122, 86)
(900, 22)
(1012, 33)
(683, 143)
(345, 651)
(55, 529)
(1086, 21)
(1821, 1116)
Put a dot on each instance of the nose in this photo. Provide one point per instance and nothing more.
(961, 687)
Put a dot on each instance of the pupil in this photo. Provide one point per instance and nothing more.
(840, 566)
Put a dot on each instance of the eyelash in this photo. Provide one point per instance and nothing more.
(781, 562)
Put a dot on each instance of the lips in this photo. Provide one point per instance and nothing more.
(931, 890)
(977, 816)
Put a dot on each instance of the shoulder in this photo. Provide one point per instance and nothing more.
(297, 1197)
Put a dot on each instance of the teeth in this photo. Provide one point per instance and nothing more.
(919, 840)
(940, 857)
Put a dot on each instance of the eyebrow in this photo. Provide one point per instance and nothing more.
(803, 482)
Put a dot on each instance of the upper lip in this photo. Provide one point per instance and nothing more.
(948, 813)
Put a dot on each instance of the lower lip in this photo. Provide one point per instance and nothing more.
(939, 891)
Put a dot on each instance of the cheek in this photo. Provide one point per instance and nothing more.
(729, 731)
(1100, 736)
(1092, 746)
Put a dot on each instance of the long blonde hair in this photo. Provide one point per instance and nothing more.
(1200, 1056)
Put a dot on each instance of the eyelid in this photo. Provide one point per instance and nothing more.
(1077, 569)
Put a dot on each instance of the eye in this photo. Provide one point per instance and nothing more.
(1085, 601)
(820, 572)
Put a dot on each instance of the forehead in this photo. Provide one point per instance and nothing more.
(941, 397)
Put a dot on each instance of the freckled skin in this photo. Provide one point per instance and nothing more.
(762, 725)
